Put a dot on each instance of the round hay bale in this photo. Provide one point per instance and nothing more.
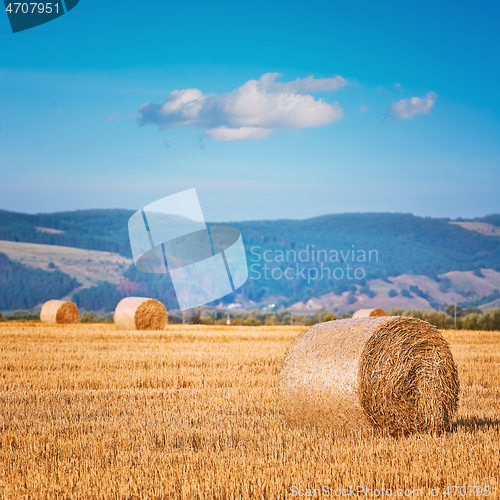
(140, 313)
(392, 373)
(59, 311)
(369, 313)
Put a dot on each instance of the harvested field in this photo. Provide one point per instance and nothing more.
(192, 412)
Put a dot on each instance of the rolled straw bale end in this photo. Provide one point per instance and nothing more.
(59, 311)
(392, 373)
(369, 313)
(140, 313)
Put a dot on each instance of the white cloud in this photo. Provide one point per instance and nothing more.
(408, 108)
(363, 109)
(181, 108)
(249, 112)
(235, 134)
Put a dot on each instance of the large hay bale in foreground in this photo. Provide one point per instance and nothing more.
(140, 313)
(369, 313)
(59, 311)
(392, 373)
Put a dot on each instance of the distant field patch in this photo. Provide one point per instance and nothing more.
(87, 266)
(480, 227)
(49, 230)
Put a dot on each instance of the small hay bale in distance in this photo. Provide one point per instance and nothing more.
(140, 313)
(369, 313)
(60, 312)
(391, 373)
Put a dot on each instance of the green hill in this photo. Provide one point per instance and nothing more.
(396, 243)
(104, 230)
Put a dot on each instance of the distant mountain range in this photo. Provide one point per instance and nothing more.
(338, 262)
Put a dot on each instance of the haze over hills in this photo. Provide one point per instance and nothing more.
(339, 262)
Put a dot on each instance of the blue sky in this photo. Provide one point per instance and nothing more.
(71, 91)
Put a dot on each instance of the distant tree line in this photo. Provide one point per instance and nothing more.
(453, 317)
(466, 319)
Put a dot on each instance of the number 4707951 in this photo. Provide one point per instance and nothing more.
(476, 491)
(32, 8)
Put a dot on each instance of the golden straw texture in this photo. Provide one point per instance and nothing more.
(59, 311)
(392, 373)
(140, 313)
(369, 313)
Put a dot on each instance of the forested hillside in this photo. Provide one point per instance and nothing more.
(104, 230)
(392, 245)
(23, 288)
